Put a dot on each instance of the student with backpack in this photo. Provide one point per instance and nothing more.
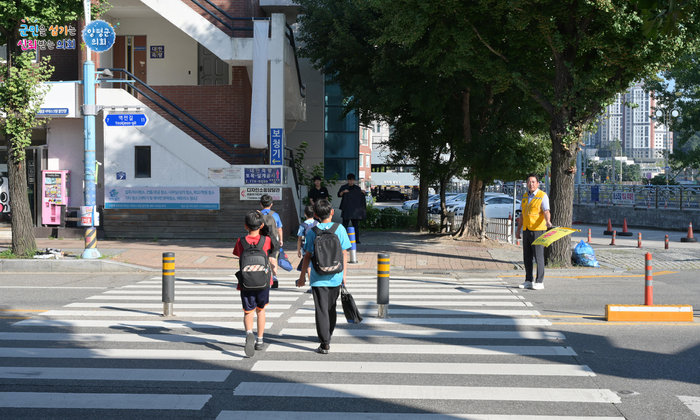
(327, 257)
(254, 278)
(273, 229)
(301, 235)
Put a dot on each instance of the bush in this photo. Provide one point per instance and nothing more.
(389, 219)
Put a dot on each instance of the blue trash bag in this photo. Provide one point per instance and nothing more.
(584, 256)
(283, 261)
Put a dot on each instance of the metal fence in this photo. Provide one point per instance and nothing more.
(498, 229)
(650, 196)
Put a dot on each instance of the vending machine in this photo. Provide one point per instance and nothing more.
(55, 192)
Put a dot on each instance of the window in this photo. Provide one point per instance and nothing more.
(368, 161)
(341, 151)
(143, 162)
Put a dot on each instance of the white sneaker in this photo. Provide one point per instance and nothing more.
(526, 285)
(538, 286)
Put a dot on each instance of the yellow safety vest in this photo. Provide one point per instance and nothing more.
(532, 214)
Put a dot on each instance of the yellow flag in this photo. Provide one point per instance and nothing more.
(553, 234)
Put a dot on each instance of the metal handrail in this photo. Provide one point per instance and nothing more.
(290, 38)
(292, 165)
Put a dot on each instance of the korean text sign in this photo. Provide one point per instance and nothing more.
(183, 198)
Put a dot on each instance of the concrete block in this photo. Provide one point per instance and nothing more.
(26, 265)
(653, 313)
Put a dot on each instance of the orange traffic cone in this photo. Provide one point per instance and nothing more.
(624, 229)
(609, 231)
(689, 238)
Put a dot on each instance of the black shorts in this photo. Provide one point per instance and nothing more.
(253, 299)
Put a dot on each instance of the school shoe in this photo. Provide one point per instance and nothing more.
(250, 344)
(526, 285)
(259, 345)
(275, 283)
(538, 286)
(322, 350)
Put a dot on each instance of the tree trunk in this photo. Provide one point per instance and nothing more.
(422, 224)
(561, 197)
(473, 208)
(23, 242)
(443, 209)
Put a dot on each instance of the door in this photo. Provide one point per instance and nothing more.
(212, 70)
(130, 54)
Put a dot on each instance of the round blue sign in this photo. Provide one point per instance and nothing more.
(99, 36)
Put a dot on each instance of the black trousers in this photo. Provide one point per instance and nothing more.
(355, 224)
(325, 300)
(530, 250)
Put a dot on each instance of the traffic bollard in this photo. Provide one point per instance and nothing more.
(353, 246)
(648, 280)
(666, 242)
(383, 268)
(639, 240)
(613, 238)
(168, 283)
(589, 236)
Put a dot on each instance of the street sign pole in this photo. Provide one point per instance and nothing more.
(90, 192)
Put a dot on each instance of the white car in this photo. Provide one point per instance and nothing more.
(496, 207)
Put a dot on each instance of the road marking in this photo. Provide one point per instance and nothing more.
(452, 297)
(436, 321)
(536, 369)
(92, 323)
(301, 415)
(602, 276)
(125, 338)
(462, 312)
(429, 303)
(180, 314)
(177, 305)
(651, 324)
(434, 333)
(413, 392)
(53, 287)
(427, 349)
(141, 354)
(14, 317)
(103, 401)
(179, 298)
(100, 374)
(23, 310)
(693, 404)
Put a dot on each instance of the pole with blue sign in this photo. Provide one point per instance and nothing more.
(276, 142)
(99, 37)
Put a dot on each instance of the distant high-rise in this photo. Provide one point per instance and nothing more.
(628, 120)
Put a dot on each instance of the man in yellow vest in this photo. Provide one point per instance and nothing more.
(534, 221)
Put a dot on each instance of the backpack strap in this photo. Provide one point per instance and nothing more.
(316, 230)
(334, 227)
(245, 244)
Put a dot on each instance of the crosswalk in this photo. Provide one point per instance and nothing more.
(450, 349)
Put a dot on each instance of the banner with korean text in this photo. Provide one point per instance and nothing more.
(183, 198)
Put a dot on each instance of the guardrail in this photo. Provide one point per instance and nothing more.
(679, 197)
(498, 229)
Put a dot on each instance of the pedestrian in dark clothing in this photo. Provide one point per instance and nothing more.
(353, 205)
(317, 192)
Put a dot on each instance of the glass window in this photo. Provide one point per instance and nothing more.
(334, 123)
(143, 162)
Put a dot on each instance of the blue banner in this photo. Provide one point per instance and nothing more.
(276, 156)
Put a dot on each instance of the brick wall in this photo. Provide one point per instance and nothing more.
(224, 109)
(234, 8)
(226, 223)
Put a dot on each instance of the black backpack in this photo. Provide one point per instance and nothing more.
(328, 254)
(270, 230)
(254, 266)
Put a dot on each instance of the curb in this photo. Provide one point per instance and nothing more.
(68, 266)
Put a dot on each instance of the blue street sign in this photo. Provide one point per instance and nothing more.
(276, 156)
(99, 36)
(126, 120)
(52, 111)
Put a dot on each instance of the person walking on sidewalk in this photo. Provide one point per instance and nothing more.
(274, 230)
(534, 221)
(254, 278)
(325, 287)
(353, 205)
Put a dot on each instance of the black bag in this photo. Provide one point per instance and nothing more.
(270, 230)
(254, 266)
(352, 314)
(328, 254)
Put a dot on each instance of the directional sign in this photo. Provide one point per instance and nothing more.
(99, 36)
(126, 120)
(276, 157)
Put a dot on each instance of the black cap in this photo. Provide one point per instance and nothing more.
(351, 176)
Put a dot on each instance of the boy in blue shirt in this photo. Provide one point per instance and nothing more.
(309, 223)
(274, 230)
(325, 288)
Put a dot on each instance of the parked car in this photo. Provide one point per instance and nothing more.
(435, 207)
(496, 207)
(413, 204)
(387, 195)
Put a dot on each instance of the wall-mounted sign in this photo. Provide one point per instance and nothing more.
(157, 51)
(121, 175)
(263, 175)
(126, 120)
(52, 111)
(99, 36)
(276, 157)
(186, 198)
(254, 193)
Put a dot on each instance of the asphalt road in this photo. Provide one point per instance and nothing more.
(458, 346)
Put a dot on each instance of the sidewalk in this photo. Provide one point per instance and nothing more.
(409, 251)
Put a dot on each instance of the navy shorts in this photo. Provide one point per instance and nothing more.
(253, 299)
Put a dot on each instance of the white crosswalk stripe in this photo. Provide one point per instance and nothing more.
(446, 327)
